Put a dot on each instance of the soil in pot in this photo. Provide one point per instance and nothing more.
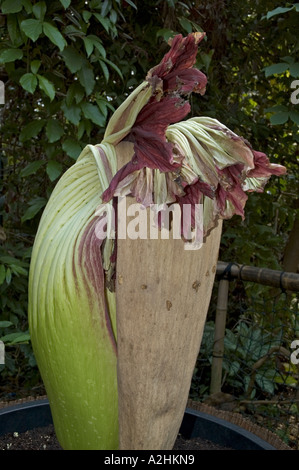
(44, 438)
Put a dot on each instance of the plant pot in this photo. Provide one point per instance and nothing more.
(27, 416)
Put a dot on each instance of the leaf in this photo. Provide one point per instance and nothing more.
(17, 337)
(165, 33)
(75, 92)
(106, 6)
(12, 261)
(32, 28)
(21, 338)
(2, 274)
(72, 59)
(285, 380)
(35, 65)
(5, 324)
(29, 82)
(27, 4)
(13, 30)
(54, 130)
(10, 55)
(294, 116)
(54, 169)
(86, 78)
(288, 59)
(186, 25)
(103, 106)
(31, 168)
(276, 108)
(46, 86)
(65, 3)
(105, 70)
(72, 113)
(294, 69)
(104, 21)
(93, 113)
(99, 46)
(113, 66)
(234, 368)
(8, 276)
(279, 118)
(278, 11)
(19, 270)
(35, 205)
(265, 384)
(132, 4)
(54, 35)
(39, 10)
(72, 148)
(275, 68)
(31, 130)
(11, 6)
(86, 15)
(113, 16)
(88, 43)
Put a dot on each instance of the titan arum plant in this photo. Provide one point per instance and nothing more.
(116, 323)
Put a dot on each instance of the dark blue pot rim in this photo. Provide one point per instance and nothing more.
(26, 416)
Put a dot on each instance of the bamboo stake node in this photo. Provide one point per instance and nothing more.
(270, 277)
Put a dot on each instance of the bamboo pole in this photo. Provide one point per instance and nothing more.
(218, 349)
(269, 277)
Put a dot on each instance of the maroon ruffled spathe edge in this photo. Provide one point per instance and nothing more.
(171, 81)
(173, 78)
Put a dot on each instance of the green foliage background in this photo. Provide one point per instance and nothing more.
(68, 64)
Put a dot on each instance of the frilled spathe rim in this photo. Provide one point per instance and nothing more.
(194, 161)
